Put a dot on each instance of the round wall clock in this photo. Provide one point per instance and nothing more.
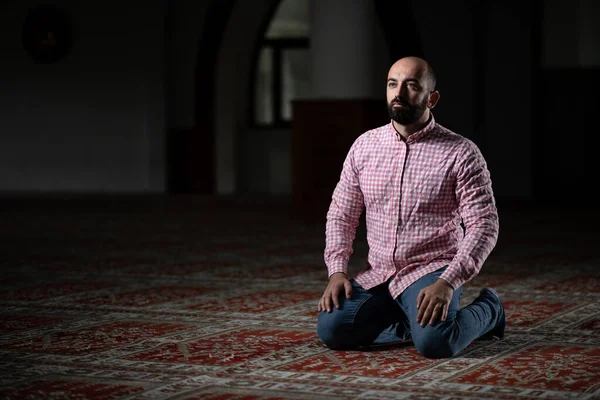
(47, 34)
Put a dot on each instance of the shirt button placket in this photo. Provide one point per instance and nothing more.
(398, 184)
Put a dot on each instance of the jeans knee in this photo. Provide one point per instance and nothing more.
(433, 344)
(332, 331)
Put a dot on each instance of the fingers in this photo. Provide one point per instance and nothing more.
(430, 312)
(435, 313)
(433, 304)
(331, 296)
(334, 295)
(426, 315)
(324, 303)
(348, 287)
(326, 300)
(420, 298)
(422, 311)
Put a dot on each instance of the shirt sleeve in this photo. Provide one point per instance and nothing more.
(477, 208)
(343, 217)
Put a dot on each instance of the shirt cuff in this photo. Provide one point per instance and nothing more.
(452, 277)
(337, 267)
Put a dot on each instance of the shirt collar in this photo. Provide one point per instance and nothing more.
(418, 135)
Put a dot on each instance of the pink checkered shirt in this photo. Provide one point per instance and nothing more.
(416, 193)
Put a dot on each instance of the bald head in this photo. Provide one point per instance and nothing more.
(417, 67)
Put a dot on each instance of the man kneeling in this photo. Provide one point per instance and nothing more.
(431, 223)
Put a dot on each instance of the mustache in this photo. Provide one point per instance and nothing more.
(400, 101)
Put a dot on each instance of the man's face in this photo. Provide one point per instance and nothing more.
(407, 93)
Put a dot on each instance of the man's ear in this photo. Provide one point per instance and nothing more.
(434, 97)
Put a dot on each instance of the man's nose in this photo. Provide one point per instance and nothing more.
(401, 91)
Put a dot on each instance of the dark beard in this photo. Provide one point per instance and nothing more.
(406, 115)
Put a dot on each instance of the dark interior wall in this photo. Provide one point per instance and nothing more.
(93, 121)
(508, 109)
(194, 29)
(520, 79)
(478, 50)
(566, 140)
(98, 119)
(446, 34)
(187, 22)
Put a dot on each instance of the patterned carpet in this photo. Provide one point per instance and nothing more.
(199, 298)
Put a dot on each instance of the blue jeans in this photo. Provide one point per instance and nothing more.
(374, 317)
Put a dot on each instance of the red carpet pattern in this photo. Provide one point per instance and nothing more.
(217, 300)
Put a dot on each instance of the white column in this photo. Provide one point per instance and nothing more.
(342, 51)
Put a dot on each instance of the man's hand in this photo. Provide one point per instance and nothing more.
(433, 302)
(337, 282)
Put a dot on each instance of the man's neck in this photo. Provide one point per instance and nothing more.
(406, 130)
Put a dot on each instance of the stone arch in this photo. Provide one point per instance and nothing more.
(234, 65)
(226, 57)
